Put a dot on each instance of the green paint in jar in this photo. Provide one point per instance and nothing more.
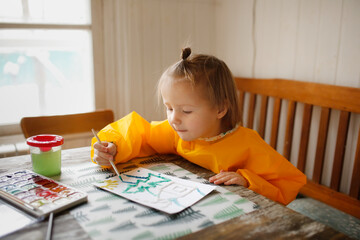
(45, 153)
(47, 163)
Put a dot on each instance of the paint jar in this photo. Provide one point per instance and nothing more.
(45, 151)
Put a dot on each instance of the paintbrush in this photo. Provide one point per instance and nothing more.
(50, 226)
(111, 162)
(18, 201)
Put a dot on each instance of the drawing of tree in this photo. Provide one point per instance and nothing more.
(141, 184)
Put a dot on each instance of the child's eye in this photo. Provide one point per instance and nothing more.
(187, 112)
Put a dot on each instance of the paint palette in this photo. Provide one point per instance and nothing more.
(38, 195)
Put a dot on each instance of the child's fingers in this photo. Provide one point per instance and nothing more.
(227, 178)
(101, 147)
(222, 179)
(111, 148)
(219, 175)
(102, 158)
(219, 178)
(237, 179)
(103, 155)
(213, 178)
(233, 181)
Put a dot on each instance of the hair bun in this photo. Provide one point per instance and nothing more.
(185, 53)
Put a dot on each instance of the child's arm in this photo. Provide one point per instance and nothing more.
(281, 183)
(131, 137)
(268, 172)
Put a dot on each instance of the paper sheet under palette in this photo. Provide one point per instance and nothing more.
(38, 195)
(160, 191)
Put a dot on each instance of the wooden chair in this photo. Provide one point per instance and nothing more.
(66, 124)
(327, 98)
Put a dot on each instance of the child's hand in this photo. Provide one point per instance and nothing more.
(228, 178)
(103, 152)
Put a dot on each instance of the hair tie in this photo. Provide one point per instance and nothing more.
(185, 53)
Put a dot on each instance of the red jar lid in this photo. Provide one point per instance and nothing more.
(45, 141)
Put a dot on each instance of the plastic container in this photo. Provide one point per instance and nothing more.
(45, 153)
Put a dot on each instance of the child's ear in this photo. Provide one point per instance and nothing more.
(223, 109)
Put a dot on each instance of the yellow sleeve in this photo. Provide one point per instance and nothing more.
(280, 189)
(270, 174)
(135, 137)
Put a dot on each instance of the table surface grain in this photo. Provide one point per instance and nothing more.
(271, 221)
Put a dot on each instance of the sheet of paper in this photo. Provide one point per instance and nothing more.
(12, 219)
(160, 191)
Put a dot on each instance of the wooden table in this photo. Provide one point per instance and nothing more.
(270, 221)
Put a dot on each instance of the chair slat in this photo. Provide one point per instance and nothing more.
(251, 112)
(304, 140)
(241, 103)
(289, 129)
(340, 150)
(66, 124)
(275, 122)
(321, 144)
(355, 179)
(263, 113)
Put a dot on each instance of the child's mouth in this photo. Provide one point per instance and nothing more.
(181, 131)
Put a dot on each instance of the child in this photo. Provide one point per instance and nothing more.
(203, 126)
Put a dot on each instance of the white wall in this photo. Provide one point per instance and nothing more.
(307, 40)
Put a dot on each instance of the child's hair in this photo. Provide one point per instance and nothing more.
(212, 73)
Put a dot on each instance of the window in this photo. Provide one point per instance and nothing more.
(45, 58)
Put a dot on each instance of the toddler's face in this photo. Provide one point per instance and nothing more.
(189, 113)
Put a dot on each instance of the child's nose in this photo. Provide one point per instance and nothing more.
(175, 118)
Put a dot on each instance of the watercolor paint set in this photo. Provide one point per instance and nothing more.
(37, 194)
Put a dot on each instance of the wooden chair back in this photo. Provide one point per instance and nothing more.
(66, 124)
(328, 98)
